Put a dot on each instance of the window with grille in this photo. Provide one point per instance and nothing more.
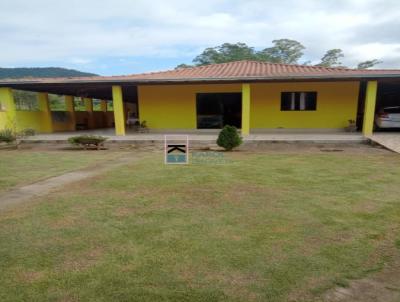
(299, 101)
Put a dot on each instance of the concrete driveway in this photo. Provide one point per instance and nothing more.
(390, 140)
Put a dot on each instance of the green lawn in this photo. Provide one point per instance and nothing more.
(24, 167)
(259, 227)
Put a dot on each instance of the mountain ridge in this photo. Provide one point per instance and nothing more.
(41, 72)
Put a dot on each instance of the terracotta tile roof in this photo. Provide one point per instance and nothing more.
(258, 70)
(232, 71)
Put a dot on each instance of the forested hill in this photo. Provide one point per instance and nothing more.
(41, 72)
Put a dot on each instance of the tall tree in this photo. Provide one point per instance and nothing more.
(368, 64)
(226, 52)
(331, 58)
(284, 51)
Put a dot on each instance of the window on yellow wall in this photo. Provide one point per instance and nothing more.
(110, 106)
(26, 100)
(79, 104)
(57, 102)
(299, 101)
(96, 105)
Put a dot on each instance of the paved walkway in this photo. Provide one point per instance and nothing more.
(209, 135)
(44, 187)
(388, 140)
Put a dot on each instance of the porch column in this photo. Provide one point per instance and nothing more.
(103, 108)
(369, 109)
(89, 109)
(9, 119)
(119, 115)
(44, 106)
(103, 105)
(70, 107)
(245, 109)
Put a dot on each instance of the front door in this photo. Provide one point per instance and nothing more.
(215, 110)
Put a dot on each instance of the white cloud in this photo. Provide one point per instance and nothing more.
(79, 32)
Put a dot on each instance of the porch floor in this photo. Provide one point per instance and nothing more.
(318, 136)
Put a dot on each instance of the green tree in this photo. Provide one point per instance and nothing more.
(331, 58)
(368, 64)
(226, 52)
(183, 65)
(284, 51)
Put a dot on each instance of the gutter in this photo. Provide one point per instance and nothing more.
(62, 81)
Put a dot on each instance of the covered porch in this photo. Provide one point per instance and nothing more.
(124, 101)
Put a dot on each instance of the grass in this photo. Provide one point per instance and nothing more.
(260, 227)
(23, 167)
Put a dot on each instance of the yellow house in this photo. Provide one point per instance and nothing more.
(253, 96)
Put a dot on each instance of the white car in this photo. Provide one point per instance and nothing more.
(388, 117)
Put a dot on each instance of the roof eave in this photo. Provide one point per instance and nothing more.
(197, 80)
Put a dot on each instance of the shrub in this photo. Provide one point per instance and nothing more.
(7, 135)
(87, 140)
(27, 132)
(229, 138)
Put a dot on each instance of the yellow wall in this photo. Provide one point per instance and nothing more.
(24, 120)
(32, 120)
(63, 126)
(3, 119)
(7, 117)
(19, 120)
(336, 104)
(174, 106)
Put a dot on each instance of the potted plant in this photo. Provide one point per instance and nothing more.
(351, 127)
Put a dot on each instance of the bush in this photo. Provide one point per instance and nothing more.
(27, 132)
(7, 136)
(229, 138)
(87, 140)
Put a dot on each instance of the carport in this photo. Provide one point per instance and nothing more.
(387, 94)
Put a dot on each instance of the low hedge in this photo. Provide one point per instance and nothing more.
(87, 140)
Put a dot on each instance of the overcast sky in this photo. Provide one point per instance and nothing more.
(131, 36)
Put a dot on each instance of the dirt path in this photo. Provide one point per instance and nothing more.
(382, 286)
(43, 187)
